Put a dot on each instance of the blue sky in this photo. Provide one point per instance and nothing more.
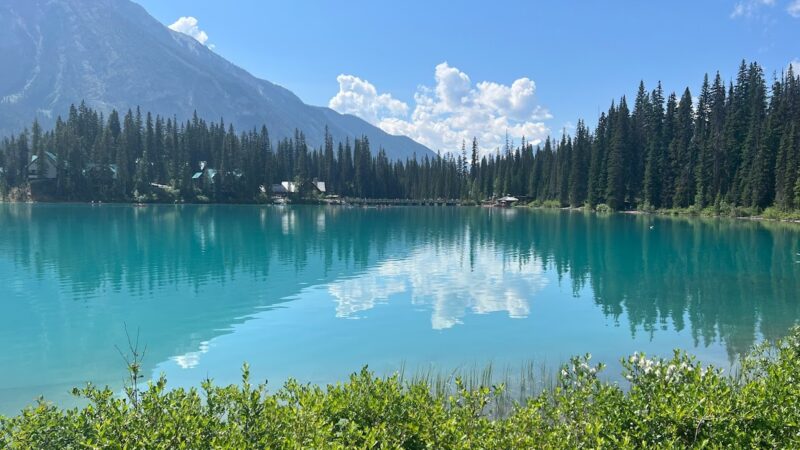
(543, 64)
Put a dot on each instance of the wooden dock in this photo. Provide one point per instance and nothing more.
(400, 202)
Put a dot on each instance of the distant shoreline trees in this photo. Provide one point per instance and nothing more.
(735, 144)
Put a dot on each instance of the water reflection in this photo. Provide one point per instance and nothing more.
(186, 276)
(442, 281)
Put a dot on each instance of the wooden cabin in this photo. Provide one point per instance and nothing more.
(46, 169)
(287, 188)
(507, 201)
(206, 175)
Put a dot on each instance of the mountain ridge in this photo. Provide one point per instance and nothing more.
(113, 55)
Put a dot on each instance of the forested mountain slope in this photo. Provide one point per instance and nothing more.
(113, 55)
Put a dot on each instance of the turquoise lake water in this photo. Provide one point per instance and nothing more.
(318, 292)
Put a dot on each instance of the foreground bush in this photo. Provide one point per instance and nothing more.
(673, 403)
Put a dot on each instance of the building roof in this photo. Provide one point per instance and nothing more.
(110, 167)
(508, 199)
(279, 189)
(291, 186)
(205, 170)
(48, 155)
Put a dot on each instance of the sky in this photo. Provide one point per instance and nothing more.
(442, 72)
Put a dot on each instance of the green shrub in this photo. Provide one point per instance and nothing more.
(711, 211)
(602, 208)
(545, 204)
(551, 204)
(724, 209)
(772, 213)
(665, 403)
(743, 211)
(647, 208)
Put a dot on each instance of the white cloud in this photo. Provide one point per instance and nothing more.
(359, 97)
(189, 26)
(794, 9)
(738, 10)
(748, 8)
(453, 110)
(452, 86)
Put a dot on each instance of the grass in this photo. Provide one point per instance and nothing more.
(518, 383)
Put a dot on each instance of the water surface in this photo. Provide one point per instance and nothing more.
(316, 293)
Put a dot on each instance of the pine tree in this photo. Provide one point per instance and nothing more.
(619, 149)
(701, 147)
(580, 164)
(597, 166)
(654, 159)
(786, 171)
(37, 146)
(682, 158)
(763, 171)
(564, 165)
(462, 162)
(640, 135)
(474, 162)
(716, 141)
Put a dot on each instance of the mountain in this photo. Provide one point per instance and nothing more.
(114, 55)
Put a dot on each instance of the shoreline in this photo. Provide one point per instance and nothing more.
(384, 203)
(670, 213)
(367, 203)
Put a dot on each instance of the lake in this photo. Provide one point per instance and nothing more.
(316, 293)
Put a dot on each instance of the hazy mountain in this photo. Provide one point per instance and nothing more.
(113, 54)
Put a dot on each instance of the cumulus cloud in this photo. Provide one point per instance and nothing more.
(795, 65)
(359, 97)
(189, 26)
(453, 110)
(749, 8)
(794, 8)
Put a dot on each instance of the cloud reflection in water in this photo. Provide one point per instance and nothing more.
(441, 279)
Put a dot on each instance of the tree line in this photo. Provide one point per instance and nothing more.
(736, 144)
(137, 155)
